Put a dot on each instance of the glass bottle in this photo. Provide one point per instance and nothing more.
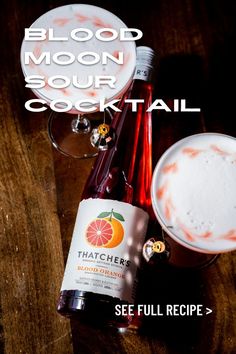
(112, 218)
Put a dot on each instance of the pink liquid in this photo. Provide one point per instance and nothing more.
(122, 173)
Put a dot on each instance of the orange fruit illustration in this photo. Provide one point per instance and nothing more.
(104, 232)
(118, 233)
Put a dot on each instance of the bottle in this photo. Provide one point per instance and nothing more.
(112, 218)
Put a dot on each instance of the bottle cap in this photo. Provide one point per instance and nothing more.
(156, 251)
(145, 62)
(146, 56)
(102, 137)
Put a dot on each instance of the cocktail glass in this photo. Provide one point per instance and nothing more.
(193, 197)
(76, 122)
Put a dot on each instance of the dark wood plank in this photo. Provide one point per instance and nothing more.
(31, 254)
(31, 262)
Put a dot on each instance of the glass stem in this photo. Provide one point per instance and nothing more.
(81, 125)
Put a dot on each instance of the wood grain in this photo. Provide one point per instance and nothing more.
(31, 262)
(40, 189)
(31, 254)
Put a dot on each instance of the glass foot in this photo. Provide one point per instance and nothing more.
(70, 134)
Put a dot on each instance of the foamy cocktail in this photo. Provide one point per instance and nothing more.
(194, 192)
(84, 44)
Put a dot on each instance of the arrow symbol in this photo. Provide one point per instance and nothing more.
(208, 311)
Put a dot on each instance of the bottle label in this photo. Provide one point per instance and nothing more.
(106, 248)
(142, 72)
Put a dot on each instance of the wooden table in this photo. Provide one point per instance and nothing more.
(40, 189)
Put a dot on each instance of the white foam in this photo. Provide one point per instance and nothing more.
(92, 18)
(198, 205)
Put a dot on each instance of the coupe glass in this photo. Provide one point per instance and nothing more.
(84, 60)
(193, 197)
